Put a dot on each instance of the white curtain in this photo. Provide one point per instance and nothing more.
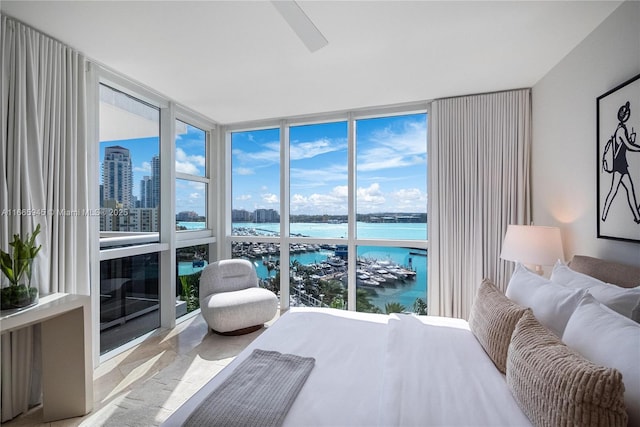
(43, 175)
(479, 155)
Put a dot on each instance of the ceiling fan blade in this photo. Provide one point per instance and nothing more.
(300, 24)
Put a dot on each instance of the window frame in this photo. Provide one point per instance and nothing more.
(166, 240)
(285, 239)
(191, 118)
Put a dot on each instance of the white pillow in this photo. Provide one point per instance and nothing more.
(625, 301)
(552, 304)
(609, 339)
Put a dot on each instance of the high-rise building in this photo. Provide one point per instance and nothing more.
(150, 186)
(266, 215)
(241, 215)
(146, 193)
(155, 182)
(117, 176)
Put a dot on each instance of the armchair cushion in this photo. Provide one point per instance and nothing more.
(230, 311)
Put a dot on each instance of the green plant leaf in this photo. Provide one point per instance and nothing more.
(15, 265)
(6, 265)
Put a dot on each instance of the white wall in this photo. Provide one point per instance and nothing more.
(564, 134)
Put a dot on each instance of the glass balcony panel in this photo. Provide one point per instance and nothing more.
(190, 263)
(129, 299)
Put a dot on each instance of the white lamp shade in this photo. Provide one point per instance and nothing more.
(530, 244)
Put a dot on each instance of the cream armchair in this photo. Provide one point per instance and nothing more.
(231, 301)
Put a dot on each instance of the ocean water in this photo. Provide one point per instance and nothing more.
(403, 293)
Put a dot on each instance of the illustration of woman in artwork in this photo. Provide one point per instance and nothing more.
(623, 142)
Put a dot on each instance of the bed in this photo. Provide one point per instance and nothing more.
(405, 370)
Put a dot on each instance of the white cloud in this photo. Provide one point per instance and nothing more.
(332, 203)
(341, 191)
(193, 165)
(270, 198)
(389, 148)
(370, 199)
(195, 159)
(186, 167)
(307, 178)
(243, 197)
(410, 200)
(244, 171)
(370, 196)
(270, 155)
(307, 150)
(145, 167)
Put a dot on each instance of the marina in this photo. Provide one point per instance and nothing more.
(383, 274)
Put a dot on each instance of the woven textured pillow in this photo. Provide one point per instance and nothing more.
(492, 320)
(556, 386)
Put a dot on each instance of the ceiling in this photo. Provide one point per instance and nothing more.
(237, 61)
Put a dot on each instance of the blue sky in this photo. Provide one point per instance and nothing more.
(391, 167)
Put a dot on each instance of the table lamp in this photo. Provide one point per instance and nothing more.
(532, 245)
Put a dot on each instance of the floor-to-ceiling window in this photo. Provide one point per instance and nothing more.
(391, 209)
(334, 212)
(129, 198)
(155, 211)
(255, 201)
(192, 212)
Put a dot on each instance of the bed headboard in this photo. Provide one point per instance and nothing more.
(619, 274)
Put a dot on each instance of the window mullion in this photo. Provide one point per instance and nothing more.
(351, 239)
(284, 215)
(167, 216)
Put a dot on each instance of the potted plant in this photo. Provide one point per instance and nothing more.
(17, 268)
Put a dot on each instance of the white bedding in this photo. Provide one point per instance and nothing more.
(375, 370)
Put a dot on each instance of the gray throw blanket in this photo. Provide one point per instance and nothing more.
(259, 392)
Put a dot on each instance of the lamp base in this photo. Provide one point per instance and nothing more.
(535, 268)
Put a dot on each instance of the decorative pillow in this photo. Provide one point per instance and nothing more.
(554, 385)
(609, 339)
(552, 304)
(625, 301)
(492, 320)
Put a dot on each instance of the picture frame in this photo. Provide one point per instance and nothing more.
(618, 162)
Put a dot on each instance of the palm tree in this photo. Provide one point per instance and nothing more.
(420, 306)
(332, 293)
(363, 303)
(270, 268)
(394, 307)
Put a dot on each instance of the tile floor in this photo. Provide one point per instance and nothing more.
(144, 385)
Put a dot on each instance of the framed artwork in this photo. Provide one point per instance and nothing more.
(618, 164)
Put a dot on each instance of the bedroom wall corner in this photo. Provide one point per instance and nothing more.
(564, 134)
